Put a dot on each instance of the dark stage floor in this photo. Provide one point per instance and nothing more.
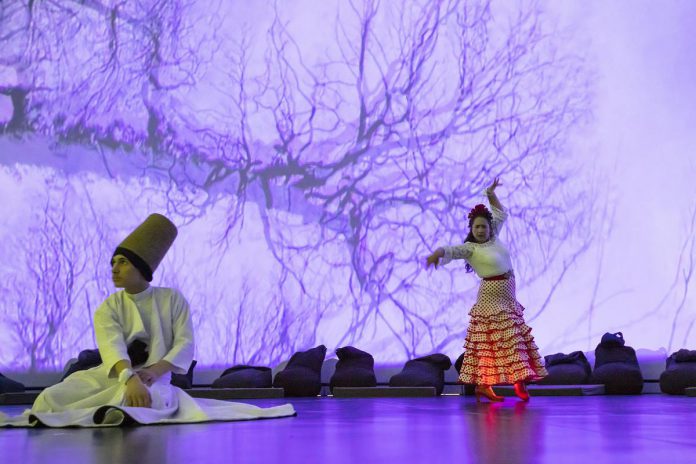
(452, 429)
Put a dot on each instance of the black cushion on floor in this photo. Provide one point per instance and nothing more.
(684, 356)
(428, 371)
(566, 369)
(10, 386)
(617, 368)
(137, 352)
(184, 381)
(87, 359)
(613, 339)
(243, 376)
(355, 368)
(302, 375)
(678, 375)
(458, 363)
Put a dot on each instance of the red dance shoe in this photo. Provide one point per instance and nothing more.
(487, 391)
(521, 390)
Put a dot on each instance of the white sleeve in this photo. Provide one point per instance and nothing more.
(181, 354)
(110, 337)
(499, 218)
(456, 252)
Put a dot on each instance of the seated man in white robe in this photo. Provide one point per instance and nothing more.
(159, 317)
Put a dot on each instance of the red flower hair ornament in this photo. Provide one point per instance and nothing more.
(480, 211)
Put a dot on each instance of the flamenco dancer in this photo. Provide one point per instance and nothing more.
(499, 347)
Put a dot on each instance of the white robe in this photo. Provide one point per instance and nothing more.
(159, 317)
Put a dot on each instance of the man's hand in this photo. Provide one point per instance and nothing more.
(148, 376)
(137, 393)
(151, 374)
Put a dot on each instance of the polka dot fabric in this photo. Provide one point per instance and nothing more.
(499, 346)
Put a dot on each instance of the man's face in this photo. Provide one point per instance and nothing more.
(124, 274)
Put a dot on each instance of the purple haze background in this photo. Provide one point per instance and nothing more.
(313, 153)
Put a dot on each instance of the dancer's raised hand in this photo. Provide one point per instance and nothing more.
(496, 182)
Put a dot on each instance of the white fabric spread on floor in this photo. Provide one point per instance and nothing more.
(170, 405)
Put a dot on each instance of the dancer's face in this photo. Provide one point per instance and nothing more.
(481, 229)
(125, 275)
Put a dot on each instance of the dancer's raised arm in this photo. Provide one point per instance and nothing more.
(492, 197)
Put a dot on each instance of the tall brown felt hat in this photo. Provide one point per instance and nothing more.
(146, 246)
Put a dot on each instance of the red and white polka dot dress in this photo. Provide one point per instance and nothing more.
(499, 346)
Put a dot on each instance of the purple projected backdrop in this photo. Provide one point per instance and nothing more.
(313, 156)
